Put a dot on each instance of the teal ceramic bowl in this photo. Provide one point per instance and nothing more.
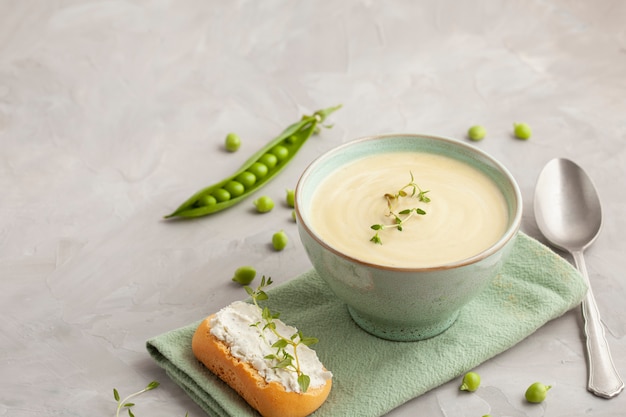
(398, 303)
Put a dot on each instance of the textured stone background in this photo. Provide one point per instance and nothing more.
(114, 112)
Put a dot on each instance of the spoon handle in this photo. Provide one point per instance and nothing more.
(604, 381)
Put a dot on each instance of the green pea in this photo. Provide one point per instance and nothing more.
(279, 240)
(281, 152)
(258, 169)
(471, 382)
(244, 275)
(248, 179)
(235, 188)
(293, 215)
(207, 200)
(221, 195)
(291, 198)
(522, 131)
(476, 133)
(264, 204)
(537, 392)
(269, 159)
(232, 142)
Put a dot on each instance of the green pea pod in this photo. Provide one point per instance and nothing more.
(216, 197)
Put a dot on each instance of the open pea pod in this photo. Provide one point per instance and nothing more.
(257, 171)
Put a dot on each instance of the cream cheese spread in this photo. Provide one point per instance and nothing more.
(234, 325)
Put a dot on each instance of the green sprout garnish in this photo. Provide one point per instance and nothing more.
(125, 403)
(281, 358)
(399, 218)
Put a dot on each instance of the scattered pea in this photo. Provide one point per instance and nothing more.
(537, 392)
(487, 415)
(281, 152)
(522, 131)
(476, 133)
(291, 198)
(208, 200)
(471, 381)
(279, 240)
(264, 204)
(258, 169)
(248, 179)
(244, 275)
(293, 215)
(269, 159)
(232, 142)
(221, 195)
(235, 188)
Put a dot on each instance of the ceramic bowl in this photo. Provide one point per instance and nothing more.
(398, 303)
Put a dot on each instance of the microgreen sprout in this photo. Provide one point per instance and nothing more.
(125, 403)
(282, 359)
(400, 217)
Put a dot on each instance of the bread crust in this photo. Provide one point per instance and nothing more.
(269, 399)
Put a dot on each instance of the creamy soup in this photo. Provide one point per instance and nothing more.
(467, 213)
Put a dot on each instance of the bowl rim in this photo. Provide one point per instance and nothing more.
(507, 236)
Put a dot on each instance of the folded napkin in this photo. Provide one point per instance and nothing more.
(371, 375)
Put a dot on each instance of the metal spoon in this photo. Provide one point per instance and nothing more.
(568, 213)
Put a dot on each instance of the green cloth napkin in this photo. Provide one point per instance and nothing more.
(371, 375)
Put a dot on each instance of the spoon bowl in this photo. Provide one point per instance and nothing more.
(568, 213)
(567, 207)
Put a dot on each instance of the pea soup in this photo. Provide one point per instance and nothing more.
(466, 214)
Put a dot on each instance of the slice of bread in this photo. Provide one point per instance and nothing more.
(269, 399)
